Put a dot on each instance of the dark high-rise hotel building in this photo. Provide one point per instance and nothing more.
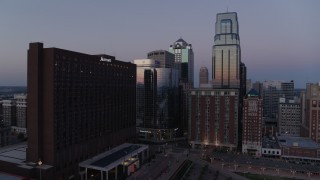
(79, 105)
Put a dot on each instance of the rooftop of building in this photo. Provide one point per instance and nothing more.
(252, 93)
(181, 40)
(113, 157)
(270, 142)
(9, 176)
(302, 142)
(14, 153)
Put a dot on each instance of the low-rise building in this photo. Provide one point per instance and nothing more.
(299, 150)
(270, 148)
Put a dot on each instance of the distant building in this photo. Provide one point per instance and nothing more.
(9, 112)
(21, 113)
(272, 91)
(79, 105)
(249, 86)
(203, 76)
(213, 117)
(165, 58)
(289, 117)
(258, 86)
(311, 112)
(252, 123)
(287, 89)
(184, 60)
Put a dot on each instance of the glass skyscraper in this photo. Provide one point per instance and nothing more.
(157, 90)
(226, 52)
(184, 60)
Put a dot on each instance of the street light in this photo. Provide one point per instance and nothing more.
(309, 174)
(40, 163)
(222, 165)
(263, 168)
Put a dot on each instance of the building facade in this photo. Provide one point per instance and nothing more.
(21, 113)
(252, 123)
(226, 52)
(272, 91)
(165, 58)
(9, 112)
(299, 150)
(289, 117)
(79, 105)
(184, 60)
(213, 117)
(311, 112)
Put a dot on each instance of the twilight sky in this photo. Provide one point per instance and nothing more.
(279, 38)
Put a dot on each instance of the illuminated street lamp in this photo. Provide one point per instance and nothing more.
(309, 174)
(235, 167)
(263, 168)
(222, 165)
(39, 164)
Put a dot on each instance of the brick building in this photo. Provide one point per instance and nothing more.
(252, 123)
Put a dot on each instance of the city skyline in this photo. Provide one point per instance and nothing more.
(278, 38)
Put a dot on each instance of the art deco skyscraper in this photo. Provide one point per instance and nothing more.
(226, 52)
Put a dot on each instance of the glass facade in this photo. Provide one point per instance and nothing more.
(157, 89)
(226, 52)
